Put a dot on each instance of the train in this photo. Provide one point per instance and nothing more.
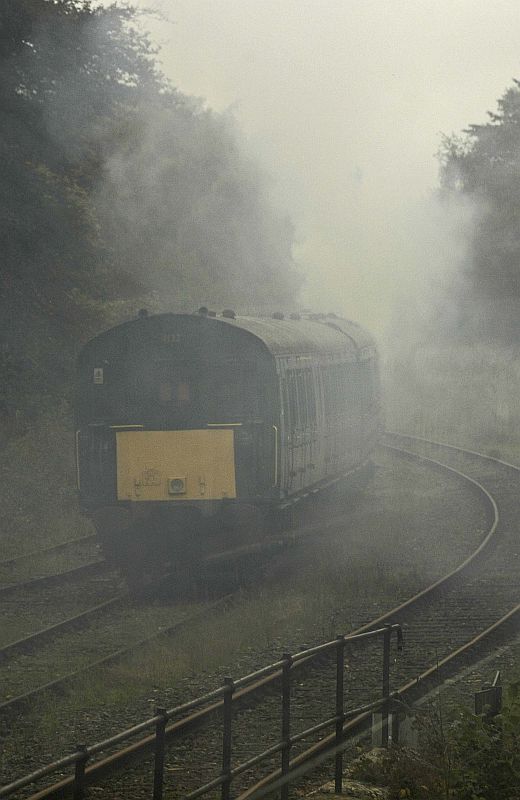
(183, 420)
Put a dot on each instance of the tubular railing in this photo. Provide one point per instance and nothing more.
(283, 670)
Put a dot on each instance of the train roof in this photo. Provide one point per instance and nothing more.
(281, 336)
(307, 335)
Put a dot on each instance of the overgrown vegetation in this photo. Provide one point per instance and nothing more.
(482, 168)
(460, 756)
(115, 188)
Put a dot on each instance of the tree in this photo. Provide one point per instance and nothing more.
(483, 166)
(114, 186)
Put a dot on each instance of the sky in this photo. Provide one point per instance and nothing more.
(343, 103)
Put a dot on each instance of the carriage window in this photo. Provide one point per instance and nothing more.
(165, 392)
(174, 391)
(183, 393)
(299, 399)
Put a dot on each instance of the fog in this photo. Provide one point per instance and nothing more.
(343, 105)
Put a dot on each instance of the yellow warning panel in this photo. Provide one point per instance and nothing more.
(175, 465)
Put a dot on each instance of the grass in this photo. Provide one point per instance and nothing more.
(38, 489)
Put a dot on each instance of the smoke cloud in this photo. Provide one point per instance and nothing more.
(344, 104)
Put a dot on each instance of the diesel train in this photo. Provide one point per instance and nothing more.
(185, 420)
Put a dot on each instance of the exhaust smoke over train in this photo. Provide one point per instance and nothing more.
(352, 110)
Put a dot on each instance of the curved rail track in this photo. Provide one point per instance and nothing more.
(446, 624)
(469, 611)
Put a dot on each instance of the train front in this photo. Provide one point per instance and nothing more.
(175, 427)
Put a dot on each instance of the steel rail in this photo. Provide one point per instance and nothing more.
(11, 648)
(216, 694)
(181, 726)
(53, 549)
(26, 642)
(453, 447)
(92, 568)
(407, 694)
(421, 685)
(15, 703)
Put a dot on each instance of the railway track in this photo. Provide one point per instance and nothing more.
(55, 548)
(56, 578)
(19, 702)
(460, 618)
(124, 603)
(448, 604)
(50, 566)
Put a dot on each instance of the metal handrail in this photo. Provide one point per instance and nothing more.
(278, 669)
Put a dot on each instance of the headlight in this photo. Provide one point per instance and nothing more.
(176, 485)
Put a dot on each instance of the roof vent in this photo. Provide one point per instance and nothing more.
(295, 316)
(203, 311)
(228, 313)
(278, 315)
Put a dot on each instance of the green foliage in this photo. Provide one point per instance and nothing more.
(114, 189)
(483, 166)
(404, 771)
(465, 757)
(486, 752)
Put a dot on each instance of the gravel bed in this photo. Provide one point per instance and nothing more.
(397, 539)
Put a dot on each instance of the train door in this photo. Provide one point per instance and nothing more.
(294, 432)
(285, 430)
(292, 436)
(318, 450)
(307, 407)
(328, 417)
(301, 429)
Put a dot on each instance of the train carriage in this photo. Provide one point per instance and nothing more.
(189, 414)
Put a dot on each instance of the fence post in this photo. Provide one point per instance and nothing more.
(160, 739)
(78, 789)
(340, 710)
(226, 737)
(286, 721)
(386, 685)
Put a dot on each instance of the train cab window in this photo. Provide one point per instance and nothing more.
(174, 391)
(183, 393)
(165, 392)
